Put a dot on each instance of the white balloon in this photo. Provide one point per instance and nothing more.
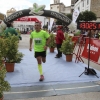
(72, 26)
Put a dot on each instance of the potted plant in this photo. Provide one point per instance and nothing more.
(1, 35)
(67, 47)
(4, 85)
(52, 43)
(12, 55)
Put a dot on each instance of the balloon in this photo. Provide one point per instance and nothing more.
(36, 10)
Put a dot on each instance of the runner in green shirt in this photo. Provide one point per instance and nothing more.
(41, 41)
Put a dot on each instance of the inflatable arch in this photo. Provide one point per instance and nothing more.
(36, 10)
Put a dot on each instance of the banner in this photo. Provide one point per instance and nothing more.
(75, 15)
(51, 21)
(94, 49)
(73, 24)
(28, 19)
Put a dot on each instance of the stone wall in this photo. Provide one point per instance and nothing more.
(95, 7)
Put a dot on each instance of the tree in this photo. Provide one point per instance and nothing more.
(86, 16)
(69, 16)
(83, 16)
(58, 22)
(89, 16)
(80, 17)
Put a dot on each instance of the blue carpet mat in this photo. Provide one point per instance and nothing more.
(56, 71)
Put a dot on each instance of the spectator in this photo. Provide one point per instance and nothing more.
(10, 29)
(59, 40)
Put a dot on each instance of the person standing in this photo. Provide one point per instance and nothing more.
(10, 29)
(59, 40)
(41, 40)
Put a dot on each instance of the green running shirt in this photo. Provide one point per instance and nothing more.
(39, 40)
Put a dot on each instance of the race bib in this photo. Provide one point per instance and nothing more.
(38, 41)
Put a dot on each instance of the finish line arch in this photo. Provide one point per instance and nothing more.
(46, 13)
(36, 10)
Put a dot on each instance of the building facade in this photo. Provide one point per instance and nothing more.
(2, 16)
(27, 23)
(95, 7)
(90, 5)
(72, 5)
(60, 7)
(82, 5)
(10, 11)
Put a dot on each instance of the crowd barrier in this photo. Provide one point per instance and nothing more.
(94, 50)
(83, 49)
(78, 48)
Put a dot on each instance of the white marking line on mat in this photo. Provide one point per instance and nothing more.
(77, 87)
(51, 89)
(29, 91)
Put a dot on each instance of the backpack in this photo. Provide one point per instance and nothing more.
(91, 71)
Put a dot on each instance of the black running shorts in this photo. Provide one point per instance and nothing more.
(42, 54)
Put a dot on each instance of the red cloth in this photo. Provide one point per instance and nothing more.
(59, 37)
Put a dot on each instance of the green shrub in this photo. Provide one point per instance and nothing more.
(67, 45)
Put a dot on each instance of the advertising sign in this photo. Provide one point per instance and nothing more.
(94, 49)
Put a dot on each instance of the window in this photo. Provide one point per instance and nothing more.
(57, 6)
(87, 2)
(51, 7)
(83, 3)
(79, 8)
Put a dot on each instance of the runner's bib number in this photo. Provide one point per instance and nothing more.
(38, 41)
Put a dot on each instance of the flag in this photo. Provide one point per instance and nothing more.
(75, 15)
(50, 24)
(73, 25)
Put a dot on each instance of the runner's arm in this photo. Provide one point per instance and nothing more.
(48, 41)
(31, 40)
